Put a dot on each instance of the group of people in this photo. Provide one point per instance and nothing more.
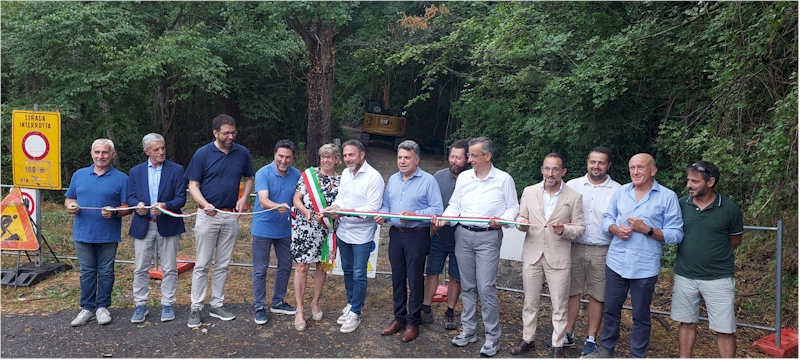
(589, 236)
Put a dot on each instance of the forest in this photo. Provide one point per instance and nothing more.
(683, 81)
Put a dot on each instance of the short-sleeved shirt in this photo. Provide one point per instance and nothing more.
(447, 183)
(706, 252)
(273, 224)
(91, 190)
(219, 173)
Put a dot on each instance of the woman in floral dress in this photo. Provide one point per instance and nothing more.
(307, 236)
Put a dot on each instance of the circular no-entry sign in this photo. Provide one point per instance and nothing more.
(35, 145)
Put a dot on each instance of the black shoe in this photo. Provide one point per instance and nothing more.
(450, 322)
(426, 316)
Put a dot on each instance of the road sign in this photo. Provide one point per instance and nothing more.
(17, 231)
(372, 263)
(36, 149)
(29, 198)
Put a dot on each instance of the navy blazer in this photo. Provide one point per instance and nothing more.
(171, 191)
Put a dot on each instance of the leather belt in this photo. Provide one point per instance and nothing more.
(407, 229)
(152, 219)
(476, 228)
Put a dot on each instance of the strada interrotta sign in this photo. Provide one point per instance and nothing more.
(36, 149)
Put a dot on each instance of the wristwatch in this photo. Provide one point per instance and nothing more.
(650, 233)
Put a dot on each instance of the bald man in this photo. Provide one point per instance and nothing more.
(642, 217)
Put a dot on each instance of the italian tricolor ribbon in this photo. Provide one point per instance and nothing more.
(317, 198)
(428, 218)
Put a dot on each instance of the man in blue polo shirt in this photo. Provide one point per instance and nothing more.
(214, 174)
(275, 187)
(97, 233)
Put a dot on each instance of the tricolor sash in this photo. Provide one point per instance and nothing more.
(318, 202)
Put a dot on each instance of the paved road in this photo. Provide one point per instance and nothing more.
(51, 336)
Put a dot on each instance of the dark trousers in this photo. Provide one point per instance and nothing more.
(407, 252)
(641, 297)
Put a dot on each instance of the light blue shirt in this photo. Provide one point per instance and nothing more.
(153, 179)
(420, 194)
(639, 257)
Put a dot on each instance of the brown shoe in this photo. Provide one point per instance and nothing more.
(393, 327)
(558, 353)
(522, 347)
(411, 333)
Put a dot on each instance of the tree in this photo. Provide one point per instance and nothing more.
(315, 23)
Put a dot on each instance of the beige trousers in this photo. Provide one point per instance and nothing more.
(533, 277)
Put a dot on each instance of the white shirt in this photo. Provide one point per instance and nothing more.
(596, 199)
(549, 201)
(362, 191)
(494, 196)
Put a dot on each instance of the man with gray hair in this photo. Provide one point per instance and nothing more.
(411, 191)
(97, 233)
(159, 183)
(486, 192)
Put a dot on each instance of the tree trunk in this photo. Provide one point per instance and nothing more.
(320, 83)
(165, 100)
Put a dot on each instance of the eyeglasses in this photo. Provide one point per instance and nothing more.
(473, 156)
(546, 169)
(226, 133)
(699, 167)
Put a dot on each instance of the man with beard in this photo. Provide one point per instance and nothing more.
(712, 226)
(411, 191)
(642, 217)
(555, 214)
(274, 188)
(361, 189)
(443, 242)
(484, 192)
(589, 251)
(214, 175)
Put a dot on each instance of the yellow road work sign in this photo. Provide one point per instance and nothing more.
(17, 230)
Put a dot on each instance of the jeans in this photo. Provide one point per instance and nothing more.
(96, 261)
(354, 265)
(641, 296)
(261, 250)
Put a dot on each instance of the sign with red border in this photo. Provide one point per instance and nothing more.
(36, 149)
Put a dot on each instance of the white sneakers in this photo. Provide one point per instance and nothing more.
(351, 322)
(103, 316)
(83, 317)
(345, 312)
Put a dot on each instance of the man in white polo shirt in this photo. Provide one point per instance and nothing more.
(361, 189)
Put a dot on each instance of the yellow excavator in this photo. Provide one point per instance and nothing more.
(378, 124)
